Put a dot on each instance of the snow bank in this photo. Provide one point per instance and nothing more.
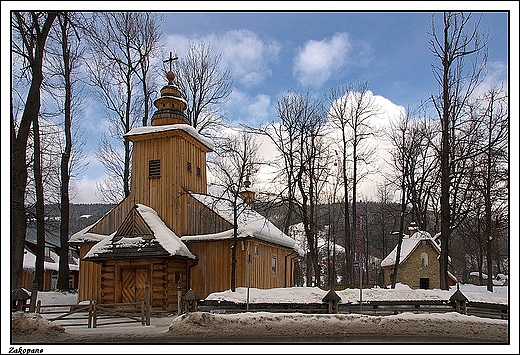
(305, 295)
(262, 325)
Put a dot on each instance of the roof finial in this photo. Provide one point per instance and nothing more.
(170, 75)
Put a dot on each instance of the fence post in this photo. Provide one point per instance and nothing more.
(147, 301)
(94, 315)
(90, 314)
(142, 312)
(34, 295)
(179, 297)
(39, 306)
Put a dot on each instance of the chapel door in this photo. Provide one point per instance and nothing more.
(133, 282)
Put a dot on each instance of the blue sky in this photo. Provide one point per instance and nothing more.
(315, 50)
(271, 52)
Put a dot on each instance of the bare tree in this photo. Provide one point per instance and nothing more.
(204, 85)
(147, 45)
(119, 61)
(491, 178)
(339, 116)
(68, 38)
(404, 147)
(452, 45)
(298, 138)
(352, 110)
(236, 159)
(30, 32)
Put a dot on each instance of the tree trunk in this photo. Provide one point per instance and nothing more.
(445, 166)
(63, 273)
(40, 206)
(18, 152)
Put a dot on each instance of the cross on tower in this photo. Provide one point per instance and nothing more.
(171, 59)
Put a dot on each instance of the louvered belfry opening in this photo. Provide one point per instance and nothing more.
(154, 168)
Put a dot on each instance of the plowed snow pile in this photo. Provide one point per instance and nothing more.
(295, 325)
(33, 326)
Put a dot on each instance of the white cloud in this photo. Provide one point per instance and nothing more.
(251, 109)
(245, 54)
(495, 77)
(317, 61)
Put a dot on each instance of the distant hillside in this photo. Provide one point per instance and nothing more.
(81, 215)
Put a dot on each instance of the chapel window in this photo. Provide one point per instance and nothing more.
(424, 260)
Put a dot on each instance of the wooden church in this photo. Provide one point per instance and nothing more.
(170, 231)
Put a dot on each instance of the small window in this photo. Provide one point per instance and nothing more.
(188, 166)
(198, 171)
(424, 283)
(154, 169)
(273, 265)
(256, 249)
(424, 260)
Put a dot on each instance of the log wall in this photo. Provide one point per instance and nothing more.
(162, 275)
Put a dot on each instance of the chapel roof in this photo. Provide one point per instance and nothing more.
(142, 234)
(251, 224)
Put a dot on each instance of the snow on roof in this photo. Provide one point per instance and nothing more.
(250, 224)
(29, 262)
(408, 245)
(172, 127)
(163, 235)
(83, 236)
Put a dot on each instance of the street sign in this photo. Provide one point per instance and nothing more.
(355, 264)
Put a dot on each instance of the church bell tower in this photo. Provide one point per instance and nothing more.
(169, 159)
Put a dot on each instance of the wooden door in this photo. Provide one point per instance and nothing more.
(133, 282)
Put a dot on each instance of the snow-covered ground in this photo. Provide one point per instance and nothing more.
(288, 328)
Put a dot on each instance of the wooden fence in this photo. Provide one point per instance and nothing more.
(481, 309)
(96, 314)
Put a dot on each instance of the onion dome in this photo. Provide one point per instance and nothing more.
(170, 106)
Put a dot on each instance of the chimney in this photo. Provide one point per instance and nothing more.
(412, 228)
